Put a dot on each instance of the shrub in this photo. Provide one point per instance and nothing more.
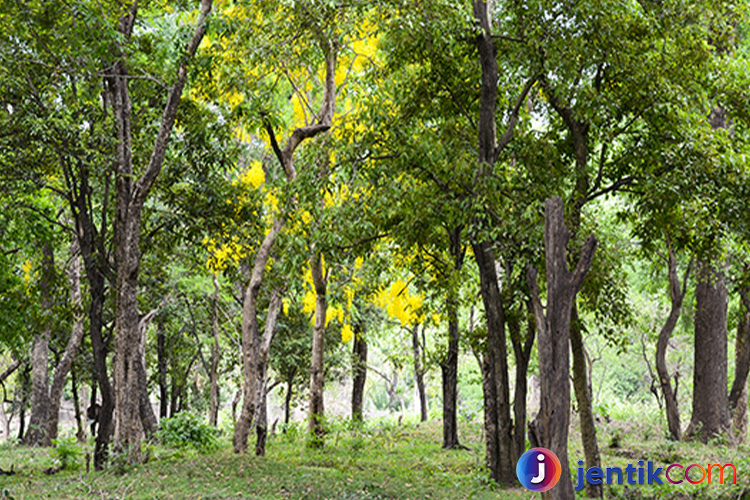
(67, 451)
(188, 430)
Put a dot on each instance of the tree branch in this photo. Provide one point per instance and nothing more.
(146, 182)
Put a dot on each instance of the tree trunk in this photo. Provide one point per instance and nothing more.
(677, 294)
(71, 349)
(130, 199)
(161, 359)
(359, 368)
(40, 403)
(553, 419)
(317, 410)
(583, 397)
(499, 433)
(80, 429)
(449, 369)
(419, 372)
(285, 156)
(288, 398)
(449, 364)
(213, 415)
(738, 394)
(23, 392)
(264, 349)
(522, 352)
(711, 417)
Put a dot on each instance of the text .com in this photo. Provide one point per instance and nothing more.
(539, 470)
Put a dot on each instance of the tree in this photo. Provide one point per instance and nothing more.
(553, 326)
(130, 199)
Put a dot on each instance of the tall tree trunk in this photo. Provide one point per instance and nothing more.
(71, 349)
(677, 294)
(449, 364)
(738, 394)
(449, 369)
(500, 449)
(711, 416)
(40, 403)
(106, 412)
(498, 424)
(419, 372)
(583, 398)
(213, 415)
(553, 419)
(130, 199)
(359, 369)
(264, 349)
(317, 410)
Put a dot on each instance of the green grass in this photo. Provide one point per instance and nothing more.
(380, 461)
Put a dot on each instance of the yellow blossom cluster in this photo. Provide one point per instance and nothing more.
(400, 304)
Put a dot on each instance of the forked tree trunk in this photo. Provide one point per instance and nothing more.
(553, 326)
(522, 353)
(711, 417)
(738, 394)
(285, 156)
(418, 349)
(131, 197)
(677, 294)
(583, 398)
(40, 403)
(359, 370)
(317, 411)
(71, 349)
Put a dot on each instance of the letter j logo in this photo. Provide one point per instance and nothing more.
(538, 469)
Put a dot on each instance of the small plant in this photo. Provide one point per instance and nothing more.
(67, 452)
(187, 430)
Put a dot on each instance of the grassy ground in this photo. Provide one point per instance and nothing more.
(382, 461)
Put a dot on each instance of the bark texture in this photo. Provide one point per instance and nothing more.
(711, 417)
(130, 199)
(498, 424)
(553, 327)
(677, 294)
(583, 398)
(316, 410)
(40, 403)
(71, 349)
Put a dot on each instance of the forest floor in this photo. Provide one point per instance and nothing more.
(382, 461)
